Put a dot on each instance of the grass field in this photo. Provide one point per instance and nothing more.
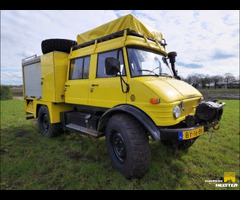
(72, 161)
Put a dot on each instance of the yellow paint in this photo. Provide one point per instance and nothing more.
(30, 107)
(54, 70)
(145, 88)
(60, 93)
(53, 108)
(122, 23)
(229, 176)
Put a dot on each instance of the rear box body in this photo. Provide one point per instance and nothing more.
(44, 77)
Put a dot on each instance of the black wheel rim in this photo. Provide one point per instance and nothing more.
(118, 146)
(45, 123)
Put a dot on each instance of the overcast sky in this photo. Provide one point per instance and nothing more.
(207, 42)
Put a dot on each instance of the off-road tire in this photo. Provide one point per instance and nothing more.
(126, 133)
(62, 45)
(46, 128)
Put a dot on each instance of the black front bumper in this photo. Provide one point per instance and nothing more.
(176, 134)
(208, 114)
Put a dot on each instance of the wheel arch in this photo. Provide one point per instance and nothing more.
(135, 112)
(37, 108)
(39, 105)
(54, 110)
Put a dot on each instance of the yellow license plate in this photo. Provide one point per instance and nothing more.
(186, 135)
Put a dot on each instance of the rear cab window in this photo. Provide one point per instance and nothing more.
(79, 68)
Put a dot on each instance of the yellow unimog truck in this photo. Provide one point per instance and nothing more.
(117, 81)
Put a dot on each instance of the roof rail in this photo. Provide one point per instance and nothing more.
(112, 36)
(33, 56)
(31, 60)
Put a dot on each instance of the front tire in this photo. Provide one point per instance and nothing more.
(127, 145)
(45, 126)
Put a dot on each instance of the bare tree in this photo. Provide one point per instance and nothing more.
(204, 79)
(189, 79)
(195, 80)
(207, 81)
(215, 80)
(228, 77)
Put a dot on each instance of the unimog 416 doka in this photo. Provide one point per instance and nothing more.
(116, 81)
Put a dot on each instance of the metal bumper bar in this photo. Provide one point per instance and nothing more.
(174, 134)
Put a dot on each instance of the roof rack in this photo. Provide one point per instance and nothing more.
(112, 36)
(31, 60)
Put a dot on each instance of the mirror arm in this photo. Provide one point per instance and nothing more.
(127, 85)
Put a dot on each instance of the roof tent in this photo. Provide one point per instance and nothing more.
(128, 22)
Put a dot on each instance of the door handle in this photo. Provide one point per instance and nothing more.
(95, 85)
(67, 85)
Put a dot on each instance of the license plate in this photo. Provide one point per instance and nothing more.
(186, 135)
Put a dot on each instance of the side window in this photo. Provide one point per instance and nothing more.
(79, 68)
(76, 68)
(101, 73)
(86, 65)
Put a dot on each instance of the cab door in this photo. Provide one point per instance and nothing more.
(77, 85)
(105, 90)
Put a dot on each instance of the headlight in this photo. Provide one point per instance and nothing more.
(176, 112)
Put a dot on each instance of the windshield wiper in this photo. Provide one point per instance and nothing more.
(165, 74)
(147, 70)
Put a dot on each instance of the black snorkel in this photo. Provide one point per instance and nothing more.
(172, 55)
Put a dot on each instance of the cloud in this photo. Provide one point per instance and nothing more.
(221, 54)
(11, 78)
(190, 65)
(206, 40)
(22, 32)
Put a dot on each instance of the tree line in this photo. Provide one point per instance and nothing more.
(227, 81)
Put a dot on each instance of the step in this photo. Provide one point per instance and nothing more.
(84, 130)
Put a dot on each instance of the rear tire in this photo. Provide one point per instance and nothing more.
(46, 128)
(62, 45)
(127, 145)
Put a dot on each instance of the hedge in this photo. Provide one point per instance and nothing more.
(5, 93)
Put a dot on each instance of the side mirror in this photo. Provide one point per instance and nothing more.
(112, 66)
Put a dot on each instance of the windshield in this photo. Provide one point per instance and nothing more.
(147, 63)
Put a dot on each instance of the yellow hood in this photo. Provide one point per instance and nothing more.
(170, 89)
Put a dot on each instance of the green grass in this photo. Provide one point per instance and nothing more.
(72, 161)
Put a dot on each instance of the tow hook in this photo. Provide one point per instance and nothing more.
(215, 123)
